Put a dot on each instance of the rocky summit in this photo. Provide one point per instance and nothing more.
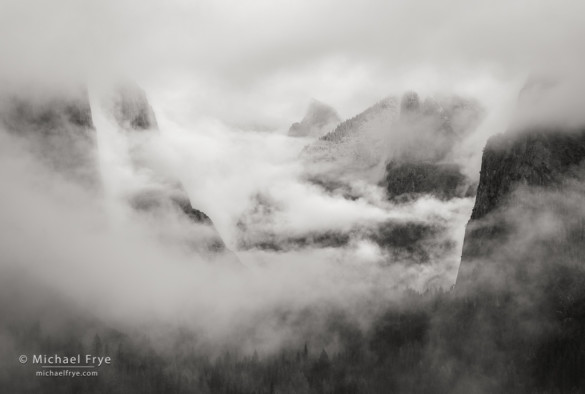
(318, 120)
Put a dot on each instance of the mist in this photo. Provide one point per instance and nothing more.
(92, 248)
(307, 240)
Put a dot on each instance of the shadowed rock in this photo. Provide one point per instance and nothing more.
(58, 130)
(134, 115)
(540, 160)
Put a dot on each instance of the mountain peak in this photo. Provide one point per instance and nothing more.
(319, 119)
(410, 103)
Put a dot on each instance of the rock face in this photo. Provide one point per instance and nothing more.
(527, 184)
(134, 116)
(522, 276)
(132, 110)
(538, 160)
(58, 130)
(319, 119)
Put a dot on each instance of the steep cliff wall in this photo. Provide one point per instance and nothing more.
(57, 129)
(540, 162)
(134, 116)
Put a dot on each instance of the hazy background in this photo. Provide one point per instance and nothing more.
(257, 63)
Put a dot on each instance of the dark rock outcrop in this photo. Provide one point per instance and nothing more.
(132, 110)
(540, 161)
(134, 115)
(57, 130)
(522, 276)
(537, 158)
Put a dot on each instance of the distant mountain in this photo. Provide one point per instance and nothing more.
(356, 147)
(407, 146)
(319, 119)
